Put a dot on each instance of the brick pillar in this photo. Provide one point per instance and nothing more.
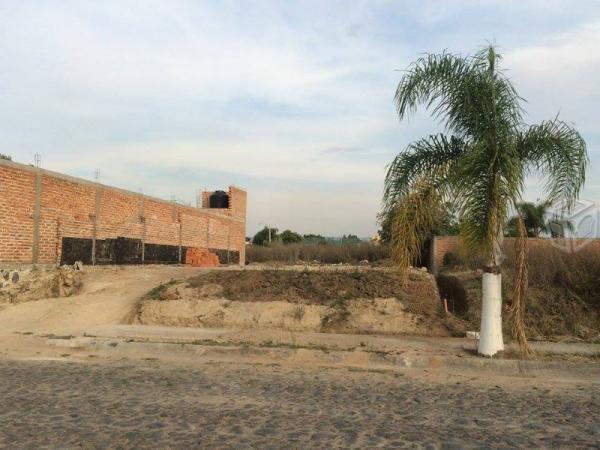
(96, 218)
(35, 246)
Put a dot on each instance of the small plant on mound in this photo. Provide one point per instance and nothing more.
(297, 313)
(156, 292)
(338, 315)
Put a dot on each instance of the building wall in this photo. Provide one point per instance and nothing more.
(38, 208)
(441, 245)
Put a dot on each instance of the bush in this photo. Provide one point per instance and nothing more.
(324, 253)
(290, 237)
(452, 260)
(265, 236)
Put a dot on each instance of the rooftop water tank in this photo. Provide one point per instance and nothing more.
(218, 199)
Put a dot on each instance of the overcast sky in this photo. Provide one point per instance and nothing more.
(292, 101)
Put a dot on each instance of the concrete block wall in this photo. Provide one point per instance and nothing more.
(39, 207)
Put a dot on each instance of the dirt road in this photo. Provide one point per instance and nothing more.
(108, 297)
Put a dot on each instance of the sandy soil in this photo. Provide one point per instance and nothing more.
(109, 296)
(384, 316)
(360, 301)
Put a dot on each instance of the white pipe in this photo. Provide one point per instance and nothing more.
(490, 335)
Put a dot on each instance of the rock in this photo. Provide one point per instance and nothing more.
(211, 290)
(364, 262)
(68, 279)
(14, 277)
(78, 265)
(472, 335)
(5, 274)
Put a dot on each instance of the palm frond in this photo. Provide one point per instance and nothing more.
(426, 158)
(488, 177)
(557, 151)
(520, 287)
(470, 95)
(413, 219)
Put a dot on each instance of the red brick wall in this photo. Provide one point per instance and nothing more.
(68, 208)
(441, 245)
(17, 194)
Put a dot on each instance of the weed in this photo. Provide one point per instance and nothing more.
(297, 313)
(155, 292)
(339, 314)
(333, 253)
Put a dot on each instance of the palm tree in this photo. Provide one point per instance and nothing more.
(479, 163)
(535, 219)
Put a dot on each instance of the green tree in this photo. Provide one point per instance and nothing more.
(445, 223)
(265, 236)
(6, 157)
(481, 162)
(314, 239)
(535, 219)
(290, 237)
(350, 239)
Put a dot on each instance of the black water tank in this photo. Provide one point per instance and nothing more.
(218, 199)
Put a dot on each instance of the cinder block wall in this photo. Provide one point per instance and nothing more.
(39, 207)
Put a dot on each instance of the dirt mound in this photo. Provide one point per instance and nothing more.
(419, 292)
(362, 301)
(29, 284)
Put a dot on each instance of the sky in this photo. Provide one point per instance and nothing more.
(292, 101)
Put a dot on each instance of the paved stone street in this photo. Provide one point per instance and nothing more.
(54, 404)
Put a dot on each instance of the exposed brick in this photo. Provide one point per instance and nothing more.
(68, 209)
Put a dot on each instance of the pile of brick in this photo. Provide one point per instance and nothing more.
(201, 257)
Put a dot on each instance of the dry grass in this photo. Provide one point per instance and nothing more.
(323, 254)
(316, 287)
(564, 293)
(563, 297)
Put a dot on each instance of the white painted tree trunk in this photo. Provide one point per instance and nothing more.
(490, 334)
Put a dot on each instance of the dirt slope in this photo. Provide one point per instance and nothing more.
(358, 301)
(108, 297)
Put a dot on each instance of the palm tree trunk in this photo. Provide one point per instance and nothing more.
(490, 333)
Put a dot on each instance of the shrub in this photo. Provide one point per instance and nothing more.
(452, 260)
(156, 292)
(324, 253)
(290, 237)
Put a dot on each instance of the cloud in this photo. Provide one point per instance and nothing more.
(292, 100)
(331, 150)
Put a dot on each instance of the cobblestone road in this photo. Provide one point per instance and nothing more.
(138, 405)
